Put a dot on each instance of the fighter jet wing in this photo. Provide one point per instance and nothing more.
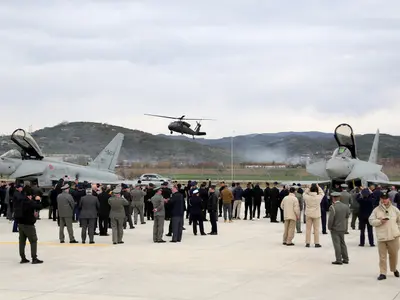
(362, 169)
(385, 183)
(306, 182)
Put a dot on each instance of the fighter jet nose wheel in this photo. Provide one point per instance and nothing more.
(171, 132)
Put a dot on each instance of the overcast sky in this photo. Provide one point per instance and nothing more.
(255, 66)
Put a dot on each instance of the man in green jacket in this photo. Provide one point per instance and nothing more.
(337, 224)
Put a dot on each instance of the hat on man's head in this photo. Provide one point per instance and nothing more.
(343, 185)
(194, 183)
(384, 195)
(65, 187)
(335, 194)
(196, 191)
(124, 186)
(275, 182)
(116, 190)
(19, 186)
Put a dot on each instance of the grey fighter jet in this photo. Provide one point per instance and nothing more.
(29, 164)
(344, 165)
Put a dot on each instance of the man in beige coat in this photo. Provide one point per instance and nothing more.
(291, 213)
(312, 199)
(386, 220)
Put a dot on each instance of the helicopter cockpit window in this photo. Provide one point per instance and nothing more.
(342, 152)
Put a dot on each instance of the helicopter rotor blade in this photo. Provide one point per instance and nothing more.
(192, 119)
(166, 117)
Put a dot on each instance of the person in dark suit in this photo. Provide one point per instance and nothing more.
(104, 211)
(367, 200)
(248, 202)
(197, 213)
(274, 198)
(257, 196)
(267, 201)
(324, 209)
(177, 207)
(212, 206)
(27, 230)
(89, 208)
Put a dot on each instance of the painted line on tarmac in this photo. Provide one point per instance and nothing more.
(59, 244)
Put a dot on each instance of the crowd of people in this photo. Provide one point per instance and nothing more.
(102, 207)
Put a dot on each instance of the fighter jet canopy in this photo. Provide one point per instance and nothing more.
(29, 147)
(345, 139)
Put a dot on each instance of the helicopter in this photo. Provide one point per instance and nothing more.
(182, 127)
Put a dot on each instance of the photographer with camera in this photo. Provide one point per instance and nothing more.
(386, 220)
(26, 224)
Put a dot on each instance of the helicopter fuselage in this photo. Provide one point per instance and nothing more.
(184, 128)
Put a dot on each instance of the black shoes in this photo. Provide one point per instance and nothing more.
(346, 262)
(325, 232)
(338, 263)
(284, 243)
(212, 233)
(318, 246)
(162, 241)
(291, 244)
(396, 273)
(24, 261)
(91, 242)
(381, 277)
(121, 242)
(307, 245)
(143, 223)
(168, 234)
(37, 261)
(173, 241)
(73, 242)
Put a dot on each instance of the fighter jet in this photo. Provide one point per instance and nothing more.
(345, 166)
(29, 164)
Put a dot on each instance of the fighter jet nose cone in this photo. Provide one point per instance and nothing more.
(336, 168)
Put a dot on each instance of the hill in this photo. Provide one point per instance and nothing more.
(90, 138)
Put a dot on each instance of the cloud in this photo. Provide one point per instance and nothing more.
(255, 66)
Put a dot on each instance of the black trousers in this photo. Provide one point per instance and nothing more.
(354, 217)
(177, 228)
(248, 207)
(213, 221)
(149, 210)
(364, 223)
(267, 204)
(3, 210)
(274, 211)
(323, 221)
(104, 224)
(220, 206)
(197, 218)
(257, 206)
(281, 210)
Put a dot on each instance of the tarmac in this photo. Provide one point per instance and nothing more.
(245, 261)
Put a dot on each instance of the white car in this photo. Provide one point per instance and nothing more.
(154, 178)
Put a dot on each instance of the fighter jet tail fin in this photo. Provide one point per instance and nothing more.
(107, 159)
(373, 157)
